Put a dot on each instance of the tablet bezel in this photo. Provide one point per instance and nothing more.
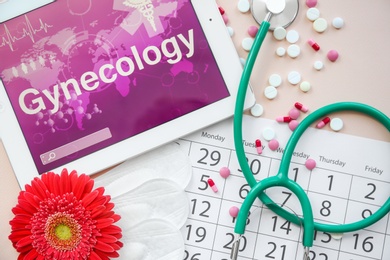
(229, 64)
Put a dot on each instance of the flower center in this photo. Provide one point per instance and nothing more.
(63, 232)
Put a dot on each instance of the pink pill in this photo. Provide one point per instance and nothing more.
(224, 172)
(333, 55)
(233, 211)
(294, 113)
(293, 124)
(273, 144)
(252, 31)
(225, 18)
(311, 3)
(310, 164)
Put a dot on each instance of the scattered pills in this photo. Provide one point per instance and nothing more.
(283, 119)
(293, 124)
(313, 14)
(259, 149)
(270, 92)
(268, 133)
(252, 31)
(275, 80)
(293, 51)
(273, 144)
(311, 3)
(224, 172)
(247, 43)
(338, 23)
(310, 164)
(313, 44)
(212, 185)
(332, 55)
(279, 33)
(233, 211)
(292, 36)
(294, 77)
(230, 31)
(243, 6)
(301, 107)
(318, 65)
(305, 86)
(280, 51)
(294, 113)
(336, 124)
(323, 122)
(320, 25)
(257, 110)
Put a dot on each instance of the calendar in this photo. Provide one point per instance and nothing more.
(349, 182)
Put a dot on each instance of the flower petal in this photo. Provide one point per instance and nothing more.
(103, 247)
(65, 182)
(102, 223)
(108, 238)
(89, 198)
(24, 242)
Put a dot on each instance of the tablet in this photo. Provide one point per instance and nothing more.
(87, 84)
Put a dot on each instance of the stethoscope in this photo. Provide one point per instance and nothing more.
(276, 9)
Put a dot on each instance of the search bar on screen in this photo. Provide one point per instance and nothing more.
(75, 146)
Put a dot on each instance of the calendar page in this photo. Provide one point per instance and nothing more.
(350, 182)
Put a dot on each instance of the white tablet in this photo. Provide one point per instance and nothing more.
(87, 84)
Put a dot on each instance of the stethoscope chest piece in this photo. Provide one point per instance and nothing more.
(283, 19)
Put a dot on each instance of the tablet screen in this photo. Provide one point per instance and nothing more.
(84, 75)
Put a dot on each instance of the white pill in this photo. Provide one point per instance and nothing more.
(279, 33)
(336, 124)
(313, 14)
(338, 22)
(268, 133)
(292, 36)
(280, 51)
(318, 65)
(305, 86)
(230, 30)
(257, 110)
(336, 236)
(270, 92)
(247, 43)
(294, 77)
(243, 61)
(293, 51)
(320, 25)
(275, 80)
(243, 6)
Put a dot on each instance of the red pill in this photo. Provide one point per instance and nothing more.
(313, 44)
(301, 107)
(212, 185)
(221, 10)
(283, 119)
(258, 146)
(323, 122)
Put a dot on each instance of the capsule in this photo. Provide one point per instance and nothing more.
(313, 44)
(212, 185)
(258, 146)
(301, 107)
(283, 119)
(323, 122)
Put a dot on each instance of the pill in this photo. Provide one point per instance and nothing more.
(225, 18)
(257, 110)
(293, 50)
(243, 6)
(320, 25)
(279, 33)
(338, 23)
(280, 51)
(275, 80)
(336, 124)
(273, 144)
(293, 124)
(292, 36)
(294, 113)
(221, 10)
(270, 92)
(224, 172)
(332, 55)
(313, 44)
(212, 185)
(305, 86)
(233, 211)
(311, 3)
(313, 14)
(268, 133)
(242, 61)
(323, 122)
(310, 164)
(283, 119)
(252, 31)
(336, 236)
(247, 43)
(230, 31)
(259, 149)
(301, 107)
(318, 65)
(294, 77)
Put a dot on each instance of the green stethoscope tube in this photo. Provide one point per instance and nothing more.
(281, 178)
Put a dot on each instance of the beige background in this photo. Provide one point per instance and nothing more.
(361, 74)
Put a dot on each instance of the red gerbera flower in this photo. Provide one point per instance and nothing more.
(60, 217)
